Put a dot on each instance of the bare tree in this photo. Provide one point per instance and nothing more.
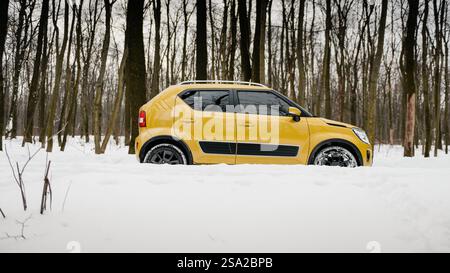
(58, 71)
(62, 124)
(409, 81)
(99, 84)
(135, 68)
(33, 92)
(374, 74)
(258, 69)
(93, 18)
(232, 50)
(425, 78)
(157, 55)
(213, 41)
(447, 87)
(117, 102)
(201, 42)
(21, 38)
(3, 30)
(438, 8)
(223, 42)
(186, 16)
(46, 191)
(325, 82)
(70, 120)
(18, 172)
(244, 26)
(47, 50)
(300, 58)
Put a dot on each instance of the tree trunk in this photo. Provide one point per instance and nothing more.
(33, 93)
(135, 68)
(117, 102)
(127, 122)
(326, 84)
(213, 42)
(314, 97)
(223, 43)
(100, 79)
(201, 42)
(93, 19)
(373, 75)
(446, 98)
(62, 124)
(233, 31)
(246, 68)
(43, 90)
(58, 72)
(70, 121)
(185, 35)
(18, 62)
(425, 85)
(438, 19)
(300, 58)
(282, 49)
(269, 44)
(3, 31)
(157, 54)
(409, 84)
(259, 41)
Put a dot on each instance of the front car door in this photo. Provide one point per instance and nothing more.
(265, 133)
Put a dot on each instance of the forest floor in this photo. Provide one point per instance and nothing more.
(111, 203)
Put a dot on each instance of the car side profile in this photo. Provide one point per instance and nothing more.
(219, 122)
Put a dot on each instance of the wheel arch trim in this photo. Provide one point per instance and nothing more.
(165, 139)
(338, 142)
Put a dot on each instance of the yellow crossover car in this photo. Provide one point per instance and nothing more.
(204, 122)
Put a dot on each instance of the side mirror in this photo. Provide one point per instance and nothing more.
(295, 113)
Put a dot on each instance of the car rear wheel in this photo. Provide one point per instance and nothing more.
(165, 154)
(335, 156)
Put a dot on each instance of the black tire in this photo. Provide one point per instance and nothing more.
(165, 153)
(335, 156)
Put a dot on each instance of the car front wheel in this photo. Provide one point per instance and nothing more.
(335, 156)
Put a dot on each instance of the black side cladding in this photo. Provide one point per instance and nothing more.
(251, 149)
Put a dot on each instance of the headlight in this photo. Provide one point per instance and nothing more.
(361, 134)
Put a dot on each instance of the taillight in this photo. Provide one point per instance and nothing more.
(142, 119)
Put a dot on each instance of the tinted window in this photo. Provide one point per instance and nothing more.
(270, 102)
(209, 100)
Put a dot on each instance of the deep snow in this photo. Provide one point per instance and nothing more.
(114, 204)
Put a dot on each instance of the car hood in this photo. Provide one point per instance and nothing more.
(337, 123)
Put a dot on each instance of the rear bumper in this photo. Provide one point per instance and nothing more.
(138, 147)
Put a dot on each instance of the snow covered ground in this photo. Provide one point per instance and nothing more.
(111, 203)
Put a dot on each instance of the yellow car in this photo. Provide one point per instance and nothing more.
(220, 122)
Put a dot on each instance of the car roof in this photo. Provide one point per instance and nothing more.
(225, 86)
(177, 89)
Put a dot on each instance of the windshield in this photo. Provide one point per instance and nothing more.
(305, 113)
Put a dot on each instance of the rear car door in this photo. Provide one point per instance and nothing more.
(211, 126)
(265, 133)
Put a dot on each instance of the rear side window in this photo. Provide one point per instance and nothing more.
(210, 101)
(264, 102)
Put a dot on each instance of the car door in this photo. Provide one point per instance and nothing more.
(209, 127)
(265, 133)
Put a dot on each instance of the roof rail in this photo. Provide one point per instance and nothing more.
(221, 82)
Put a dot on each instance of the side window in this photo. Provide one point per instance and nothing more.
(262, 102)
(208, 100)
